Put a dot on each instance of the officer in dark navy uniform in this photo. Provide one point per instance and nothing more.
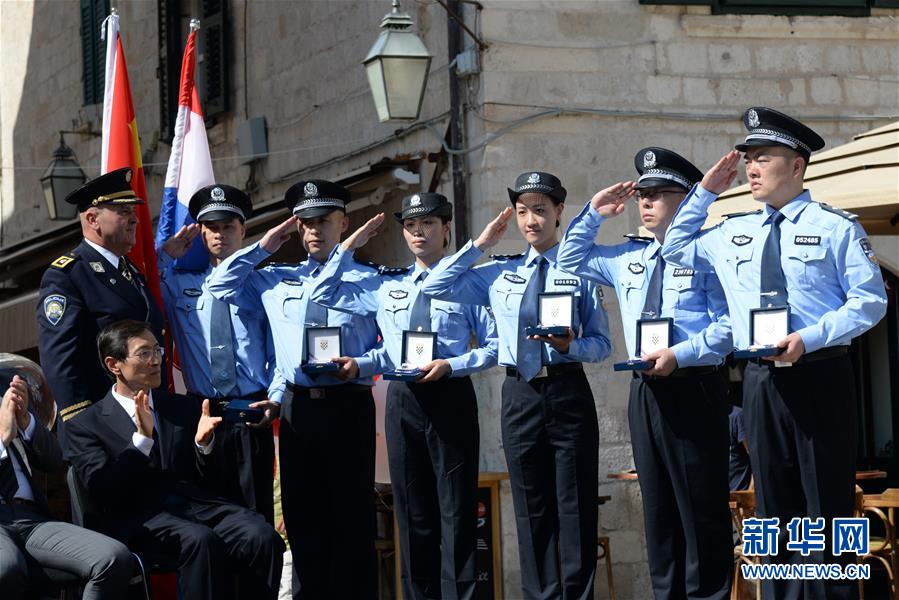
(226, 351)
(89, 288)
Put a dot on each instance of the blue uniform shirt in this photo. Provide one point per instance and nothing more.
(283, 292)
(500, 284)
(834, 286)
(389, 294)
(695, 301)
(188, 306)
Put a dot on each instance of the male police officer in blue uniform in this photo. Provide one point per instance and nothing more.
(226, 351)
(327, 432)
(795, 252)
(678, 407)
(550, 432)
(89, 288)
(431, 423)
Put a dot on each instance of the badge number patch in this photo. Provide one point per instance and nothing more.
(54, 308)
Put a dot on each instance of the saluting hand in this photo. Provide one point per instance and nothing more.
(793, 347)
(206, 425)
(349, 368)
(143, 414)
(664, 362)
(494, 231)
(610, 201)
(361, 236)
(275, 237)
(722, 175)
(178, 245)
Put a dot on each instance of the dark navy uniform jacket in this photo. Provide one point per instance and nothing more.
(80, 294)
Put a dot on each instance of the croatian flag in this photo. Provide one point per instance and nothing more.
(190, 166)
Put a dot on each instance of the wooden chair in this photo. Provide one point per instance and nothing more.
(742, 506)
(604, 551)
(881, 550)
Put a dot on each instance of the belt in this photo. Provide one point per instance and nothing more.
(682, 372)
(549, 370)
(318, 393)
(822, 354)
(19, 502)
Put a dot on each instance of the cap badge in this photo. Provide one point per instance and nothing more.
(649, 160)
(752, 118)
(415, 200)
(218, 194)
(534, 178)
(128, 176)
(310, 190)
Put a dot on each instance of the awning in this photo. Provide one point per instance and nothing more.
(861, 177)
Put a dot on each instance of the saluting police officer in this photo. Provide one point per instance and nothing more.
(549, 427)
(226, 351)
(432, 423)
(677, 408)
(815, 259)
(89, 288)
(327, 431)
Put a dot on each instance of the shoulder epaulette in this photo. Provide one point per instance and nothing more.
(742, 214)
(65, 261)
(638, 238)
(382, 270)
(839, 211)
(70, 411)
(506, 256)
(282, 264)
(367, 263)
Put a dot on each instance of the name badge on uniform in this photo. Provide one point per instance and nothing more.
(555, 311)
(419, 348)
(652, 335)
(767, 327)
(322, 344)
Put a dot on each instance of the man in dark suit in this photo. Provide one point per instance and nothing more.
(142, 455)
(88, 288)
(28, 534)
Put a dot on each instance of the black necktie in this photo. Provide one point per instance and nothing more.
(773, 290)
(8, 483)
(528, 359)
(652, 305)
(420, 317)
(125, 270)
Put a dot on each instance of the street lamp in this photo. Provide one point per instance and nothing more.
(397, 67)
(63, 176)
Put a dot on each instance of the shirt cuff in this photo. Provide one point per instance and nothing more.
(366, 367)
(163, 259)
(706, 197)
(683, 352)
(29, 431)
(142, 443)
(811, 339)
(591, 218)
(207, 449)
(457, 364)
(275, 396)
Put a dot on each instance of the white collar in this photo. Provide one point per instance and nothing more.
(111, 257)
(128, 403)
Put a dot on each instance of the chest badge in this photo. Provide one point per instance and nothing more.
(513, 278)
(398, 294)
(636, 268)
(740, 240)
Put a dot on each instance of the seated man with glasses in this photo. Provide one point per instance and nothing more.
(143, 453)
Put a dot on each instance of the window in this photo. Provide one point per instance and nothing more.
(93, 50)
(852, 8)
(212, 63)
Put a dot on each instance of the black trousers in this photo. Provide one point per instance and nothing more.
(679, 433)
(248, 467)
(551, 441)
(801, 422)
(327, 453)
(432, 448)
(211, 543)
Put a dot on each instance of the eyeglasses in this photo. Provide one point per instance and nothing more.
(651, 195)
(148, 355)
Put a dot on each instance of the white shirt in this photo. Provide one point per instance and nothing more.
(24, 492)
(111, 257)
(140, 441)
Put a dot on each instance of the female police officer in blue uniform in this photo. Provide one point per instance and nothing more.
(795, 252)
(549, 428)
(677, 408)
(431, 424)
